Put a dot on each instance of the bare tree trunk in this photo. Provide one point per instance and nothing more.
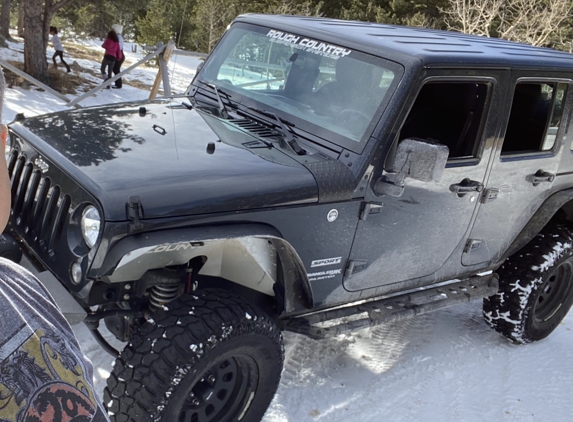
(35, 63)
(5, 19)
(21, 19)
(37, 18)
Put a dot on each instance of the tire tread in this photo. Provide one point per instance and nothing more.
(166, 343)
(520, 277)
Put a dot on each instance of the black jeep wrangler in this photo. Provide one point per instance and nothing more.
(318, 176)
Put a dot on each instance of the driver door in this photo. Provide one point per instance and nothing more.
(414, 235)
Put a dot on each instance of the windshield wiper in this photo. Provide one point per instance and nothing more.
(284, 125)
(290, 140)
(222, 108)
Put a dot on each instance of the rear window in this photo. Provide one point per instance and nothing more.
(535, 118)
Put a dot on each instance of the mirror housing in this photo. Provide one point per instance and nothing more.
(418, 159)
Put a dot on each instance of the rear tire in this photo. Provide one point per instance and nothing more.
(209, 357)
(535, 288)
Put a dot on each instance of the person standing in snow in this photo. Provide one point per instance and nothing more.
(58, 47)
(112, 54)
(43, 374)
(118, 29)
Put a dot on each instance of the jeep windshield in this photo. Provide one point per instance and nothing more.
(327, 90)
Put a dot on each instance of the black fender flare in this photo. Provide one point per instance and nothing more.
(539, 220)
(297, 293)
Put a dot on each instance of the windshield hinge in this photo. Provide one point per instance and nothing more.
(369, 208)
(134, 211)
(489, 194)
(354, 266)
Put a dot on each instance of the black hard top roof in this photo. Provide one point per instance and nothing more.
(432, 47)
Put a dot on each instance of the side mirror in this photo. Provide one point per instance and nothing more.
(418, 159)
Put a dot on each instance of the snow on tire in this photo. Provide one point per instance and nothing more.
(535, 287)
(208, 357)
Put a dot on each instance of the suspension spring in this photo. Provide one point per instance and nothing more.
(162, 294)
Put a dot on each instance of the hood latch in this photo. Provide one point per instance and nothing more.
(134, 211)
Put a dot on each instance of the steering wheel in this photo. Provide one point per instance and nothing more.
(353, 117)
(298, 105)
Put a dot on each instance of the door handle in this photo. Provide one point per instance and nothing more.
(466, 186)
(539, 177)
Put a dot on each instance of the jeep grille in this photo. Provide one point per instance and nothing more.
(39, 208)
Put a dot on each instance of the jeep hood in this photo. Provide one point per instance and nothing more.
(158, 151)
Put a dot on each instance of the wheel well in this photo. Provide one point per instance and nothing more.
(271, 305)
(565, 213)
(282, 288)
(558, 207)
(264, 269)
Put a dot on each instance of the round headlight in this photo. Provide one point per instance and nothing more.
(91, 224)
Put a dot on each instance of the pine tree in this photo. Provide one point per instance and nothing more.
(95, 17)
(211, 19)
(5, 19)
(163, 21)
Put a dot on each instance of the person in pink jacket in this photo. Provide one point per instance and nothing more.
(112, 53)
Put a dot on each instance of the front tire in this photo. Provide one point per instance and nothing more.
(535, 288)
(207, 357)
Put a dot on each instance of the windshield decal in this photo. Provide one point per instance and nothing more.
(308, 44)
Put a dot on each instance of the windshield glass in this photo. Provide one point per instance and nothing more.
(325, 89)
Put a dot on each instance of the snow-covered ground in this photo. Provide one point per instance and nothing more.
(447, 366)
(441, 367)
(33, 101)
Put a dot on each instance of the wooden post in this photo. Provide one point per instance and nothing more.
(163, 60)
(155, 87)
(162, 73)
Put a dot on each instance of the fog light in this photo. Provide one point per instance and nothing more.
(76, 273)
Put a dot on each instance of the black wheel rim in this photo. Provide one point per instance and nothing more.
(554, 292)
(222, 392)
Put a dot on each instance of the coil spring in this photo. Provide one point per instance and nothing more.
(161, 294)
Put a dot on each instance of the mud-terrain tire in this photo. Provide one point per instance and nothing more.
(535, 288)
(206, 357)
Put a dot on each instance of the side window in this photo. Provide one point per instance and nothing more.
(535, 117)
(450, 113)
